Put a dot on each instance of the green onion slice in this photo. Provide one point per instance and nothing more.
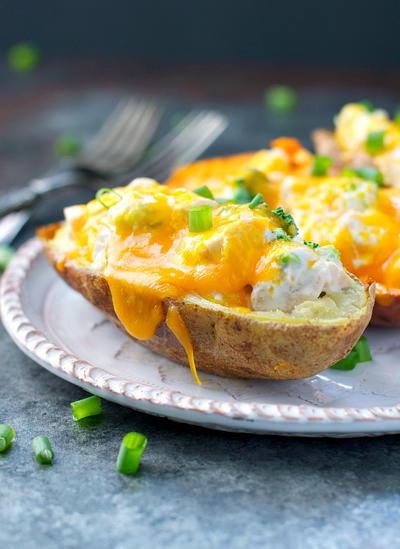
(200, 218)
(364, 352)
(6, 253)
(289, 257)
(204, 191)
(360, 353)
(23, 57)
(312, 245)
(130, 453)
(281, 99)
(241, 194)
(42, 449)
(67, 145)
(375, 141)
(347, 363)
(368, 105)
(106, 190)
(396, 118)
(288, 221)
(365, 172)
(256, 201)
(321, 165)
(86, 407)
(7, 435)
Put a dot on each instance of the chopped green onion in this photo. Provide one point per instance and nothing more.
(321, 165)
(289, 223)
(256, 201)
(42, 449)
(364, 352)
(67, 145)
(359, 353)
(204, 191)
(347, 363)
(368, 105)
(23, 57)
(289, 257)
(311, 245)
(241, 194)
(281, 99)
(396, 118)
(375, 141)
(6, 253)
(130, 453)
(106, 190)
(7, 435)
(281, 234)
(365, 172)
(200, 218)
(86, 407)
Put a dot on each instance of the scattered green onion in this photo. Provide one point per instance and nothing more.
(42, 449)
(289, 257)
(396, 118)
(67, 145)
(281, 99)
(368, 105)
(360, 353)
(200, 218)
(311, 245)
(6, 253)
(256, 201)
(130, 453)
(241, 194)
(321, 165)
(86, 407)
(364, 352)
(204, 191)
(366, 172)
(290, 225)
(281, 234)
(106, 190)
(7, 435)
(375, 141)
(23, 57)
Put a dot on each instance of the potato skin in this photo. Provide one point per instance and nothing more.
(227, 343)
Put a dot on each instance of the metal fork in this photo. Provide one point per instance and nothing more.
(116, 148)
(181, 145)
(188, 140)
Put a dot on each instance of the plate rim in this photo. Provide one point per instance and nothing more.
(35, 343)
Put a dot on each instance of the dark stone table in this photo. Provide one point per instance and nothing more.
(196, 488)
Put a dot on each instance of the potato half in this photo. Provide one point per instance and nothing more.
(232, 344)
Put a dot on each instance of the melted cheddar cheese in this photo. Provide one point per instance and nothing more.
(359, 218)
(138, 237)
(353, 125)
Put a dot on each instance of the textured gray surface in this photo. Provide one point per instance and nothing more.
(196, 487)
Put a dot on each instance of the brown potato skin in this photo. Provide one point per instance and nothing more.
(227, 343)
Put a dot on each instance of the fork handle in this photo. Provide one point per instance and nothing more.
(39, 188)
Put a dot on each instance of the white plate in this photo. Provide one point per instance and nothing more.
(58, 329)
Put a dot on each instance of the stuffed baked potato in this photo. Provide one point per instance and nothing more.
(360, 217)
(227, 288)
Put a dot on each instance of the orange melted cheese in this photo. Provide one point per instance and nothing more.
(142, 245)
(355, 216)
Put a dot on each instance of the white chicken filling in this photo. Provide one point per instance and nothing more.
(303, 277)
